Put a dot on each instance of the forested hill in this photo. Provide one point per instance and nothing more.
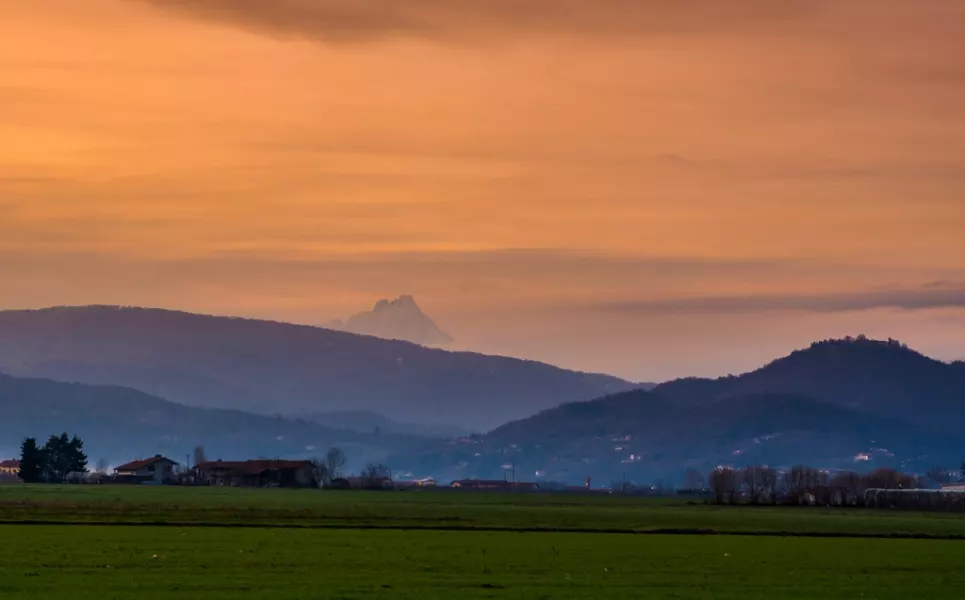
(268, 367)
(885, 378)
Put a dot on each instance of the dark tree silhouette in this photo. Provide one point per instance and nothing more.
(32, 461)
(64, 455)
(723, 481)
(374, 475)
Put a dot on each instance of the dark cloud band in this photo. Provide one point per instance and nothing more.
(335, 20)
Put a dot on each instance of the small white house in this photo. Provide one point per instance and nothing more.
(157, 469)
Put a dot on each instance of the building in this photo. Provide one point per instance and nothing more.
(157, 469)
(257, 473)
(954, 487)
(10, 467)
(495, 484)
(416, 483)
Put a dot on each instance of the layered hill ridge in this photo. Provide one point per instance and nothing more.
(119, 424)
(277, 368)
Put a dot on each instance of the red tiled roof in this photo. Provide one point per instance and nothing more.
(139, 464)
(253, 467)
(10, 464)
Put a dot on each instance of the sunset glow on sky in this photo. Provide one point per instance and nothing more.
(647, 188)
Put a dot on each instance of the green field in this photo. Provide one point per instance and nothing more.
(280, 544)
(450, 510)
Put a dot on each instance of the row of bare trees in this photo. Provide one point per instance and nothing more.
(802, 485)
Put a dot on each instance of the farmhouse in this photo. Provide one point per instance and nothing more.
(10, 467)
(157, 469)
(257, 473)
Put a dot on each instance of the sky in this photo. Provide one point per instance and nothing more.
(646, 188)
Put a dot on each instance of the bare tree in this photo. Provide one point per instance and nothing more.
(693, 480)
(723, 481)
(771, 482)
(101, 467)
(334, 462)
(322, 476)
(806, 485)
(848, 488)
(890, 479)
(760, 484)
(199, 455)
(375, 475)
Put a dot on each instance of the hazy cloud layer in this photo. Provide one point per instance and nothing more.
(924, 297)
(455, 20)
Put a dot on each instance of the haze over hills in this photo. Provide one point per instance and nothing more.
(398, 319)
(277, 368)
(119, 424)
(365, 421)
(880, 404)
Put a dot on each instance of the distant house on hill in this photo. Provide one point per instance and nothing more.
(495, 484)
(954, 487)
(10, 467)
(257, 473)
(157, 469)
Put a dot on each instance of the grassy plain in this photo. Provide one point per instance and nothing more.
(88, 542)
(149, 563)
(445, 510)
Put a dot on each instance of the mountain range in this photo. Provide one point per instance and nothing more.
(851, 404)
(278, 368)
(247, 388)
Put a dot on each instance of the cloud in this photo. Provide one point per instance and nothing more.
(927, 296)
(455, 20)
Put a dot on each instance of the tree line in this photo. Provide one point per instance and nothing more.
(802, 485)
(54, 461)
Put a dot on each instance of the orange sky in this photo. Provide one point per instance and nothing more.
(635, 187)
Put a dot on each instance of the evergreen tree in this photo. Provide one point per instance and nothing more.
(32, 461)
(78, 460)
(64, 455)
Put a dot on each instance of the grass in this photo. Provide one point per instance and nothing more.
(446, 510)
(210, 543)
(210, 563)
